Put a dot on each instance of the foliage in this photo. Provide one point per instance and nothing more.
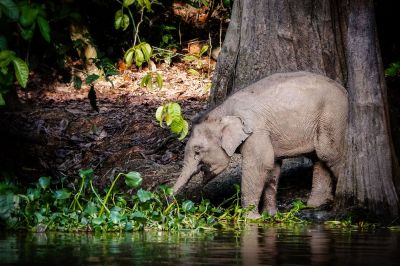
(141, 53)
(50, 205)
(21, 72)
(171, 114)
(150, 78)
(288, 217)
(195, 58)
(393, 70)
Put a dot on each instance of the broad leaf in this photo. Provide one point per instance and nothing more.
(91, 78)
(8, 203)
(159, 80)
(127, 3)
(203, 49)
(147, 50)
(138, 216)
(28, 15)
(9, 8)
(189, 58)
(87, 173)
(144, 195)
(21, 71)
(2, 102)
(193, 72)
(159, 114)
(121, 21)
(139, 57)
(133, 179)
(128, 57)
(90, 208)
(177, 125)
(77, 82)
(174, 110)
(44, 182)
(185, 130)
(6, 57)
(62, 194)
(188, 206)
(33, 193)
(44, 28)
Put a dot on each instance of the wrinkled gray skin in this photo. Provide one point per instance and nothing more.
(283, 115)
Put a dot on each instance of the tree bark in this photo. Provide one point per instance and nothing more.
(336, 38)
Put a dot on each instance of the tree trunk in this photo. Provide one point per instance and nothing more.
(336, 38)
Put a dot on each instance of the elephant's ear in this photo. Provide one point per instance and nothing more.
(233, 134)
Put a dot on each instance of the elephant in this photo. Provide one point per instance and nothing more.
(281, 116)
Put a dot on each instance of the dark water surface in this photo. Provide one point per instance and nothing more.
(304, 245)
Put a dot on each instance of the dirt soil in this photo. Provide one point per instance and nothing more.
(57, 132)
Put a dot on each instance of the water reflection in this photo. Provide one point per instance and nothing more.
(301, 245)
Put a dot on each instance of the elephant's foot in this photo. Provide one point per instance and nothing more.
(321, 192)
(316, 200)
(253, 215)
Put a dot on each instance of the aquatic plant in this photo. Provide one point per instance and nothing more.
(51, 205)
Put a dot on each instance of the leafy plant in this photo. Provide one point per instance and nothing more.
(171, 114)
(140, 53)
(21, 72)
(393, 70)
(196, 60)
(150, 78)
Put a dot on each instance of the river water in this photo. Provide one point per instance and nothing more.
(255, 245)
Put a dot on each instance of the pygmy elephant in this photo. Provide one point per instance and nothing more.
(283, 115)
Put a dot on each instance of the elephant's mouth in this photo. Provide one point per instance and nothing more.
(208, 173)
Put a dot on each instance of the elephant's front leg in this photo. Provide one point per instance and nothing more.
(270, 190)
(258, 163)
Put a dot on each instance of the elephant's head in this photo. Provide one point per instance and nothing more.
(210, 147)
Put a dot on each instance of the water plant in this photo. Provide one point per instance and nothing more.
(51, 205)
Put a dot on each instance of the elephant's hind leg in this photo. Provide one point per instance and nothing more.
(321, 191)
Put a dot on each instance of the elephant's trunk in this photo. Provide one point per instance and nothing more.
(190, 168)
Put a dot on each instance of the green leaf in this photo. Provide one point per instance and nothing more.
(27, 34)
(28, 15)
(188, 206)
(159, 114)
(144, 195)
(21, 71)
(62, 194)
(8, 203)
(138, 216)
(146, 80)
(184, 131)
(44, 28)
(148, 4)
(87, 173)
(10, 9)
(6, 56)
(44, 182)
(177, 125)
(193, 72)
(189, 58)
(139, 57)
(203, 49)
(128, 57)
(3, 42)
(159, 80)
(33, 193)
(115, 215)
(90, 208)
(174, 110)
(167, 190)
(127, 3)
(98, 220)
(2, 102)
(227, 3)
(147, 50)
(121, 21)
(133, 179)
(77, 81)
(91, 78)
